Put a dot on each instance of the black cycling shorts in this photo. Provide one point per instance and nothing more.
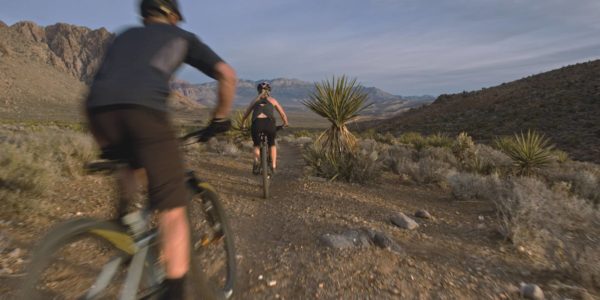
(265, 125)
(144, 138)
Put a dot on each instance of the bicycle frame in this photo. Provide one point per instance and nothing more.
(136, 261)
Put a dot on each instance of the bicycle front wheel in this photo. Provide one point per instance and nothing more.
(212, 239)
(79, 259)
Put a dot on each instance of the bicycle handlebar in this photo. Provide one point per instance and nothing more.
(198, 135)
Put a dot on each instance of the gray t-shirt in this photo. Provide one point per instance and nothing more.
(140, 62)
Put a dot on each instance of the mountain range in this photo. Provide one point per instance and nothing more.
(291, 92)
(54, 64)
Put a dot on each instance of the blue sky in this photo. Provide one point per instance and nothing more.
(405, 47)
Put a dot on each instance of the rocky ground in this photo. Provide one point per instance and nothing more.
(326, 240)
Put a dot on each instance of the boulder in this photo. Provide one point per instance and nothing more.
(346, 239)
(403, 221)
(531, 291)
(423, 214)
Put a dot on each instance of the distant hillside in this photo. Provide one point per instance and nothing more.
(290, 92)
(564, 104)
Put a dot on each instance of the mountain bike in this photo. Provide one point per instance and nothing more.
(265, 162)
(86, 258)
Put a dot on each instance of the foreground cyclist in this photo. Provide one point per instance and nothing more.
(127, 114)
(263, 121)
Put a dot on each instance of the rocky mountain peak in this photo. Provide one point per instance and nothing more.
(74, 49)
(29, 30)
(2, 24)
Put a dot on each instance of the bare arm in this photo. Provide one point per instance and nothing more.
(227, 79)
(280, 111)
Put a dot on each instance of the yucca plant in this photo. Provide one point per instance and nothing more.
(340, 101)
(239, 125)
(529, 151)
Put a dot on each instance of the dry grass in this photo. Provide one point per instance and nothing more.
(33, 158)
(556, 227)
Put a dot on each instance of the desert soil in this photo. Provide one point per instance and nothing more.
(456, 255)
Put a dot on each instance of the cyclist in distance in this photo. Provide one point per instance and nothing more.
(127, 115)
(263, 121)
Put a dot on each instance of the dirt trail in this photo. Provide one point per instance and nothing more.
(457, 255)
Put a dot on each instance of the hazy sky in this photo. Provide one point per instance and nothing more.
(402, 46)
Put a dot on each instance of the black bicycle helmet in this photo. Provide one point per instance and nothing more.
(164, 7)
(262, 86)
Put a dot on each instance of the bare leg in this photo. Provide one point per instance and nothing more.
(256, 151)
(274, 157)
(173, 224)
(175, 239)
(130, 182)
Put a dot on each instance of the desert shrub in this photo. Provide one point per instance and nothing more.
(439, 140)
(561, 230)
(413, 138)
(503, 143)
(66, 150)
(465, 151)
(424, 171)
(427, 166)
(395, 154)
(420, 142)
(529, 152)
(386, 138)
(21, 171)
(368, 134)
(71, 151)
(303, 140)
(224, 147)
(583, 179)
(359, 167)
(302, 133)
(473, 186)
(33, 160)
(560, 156)
(442, 154)
(489, 161)
(371, 145)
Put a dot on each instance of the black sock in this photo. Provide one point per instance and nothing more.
(175, 289)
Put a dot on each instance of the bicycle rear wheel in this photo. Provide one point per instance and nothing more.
(79, 259)
(212, 239)
(264, 164)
